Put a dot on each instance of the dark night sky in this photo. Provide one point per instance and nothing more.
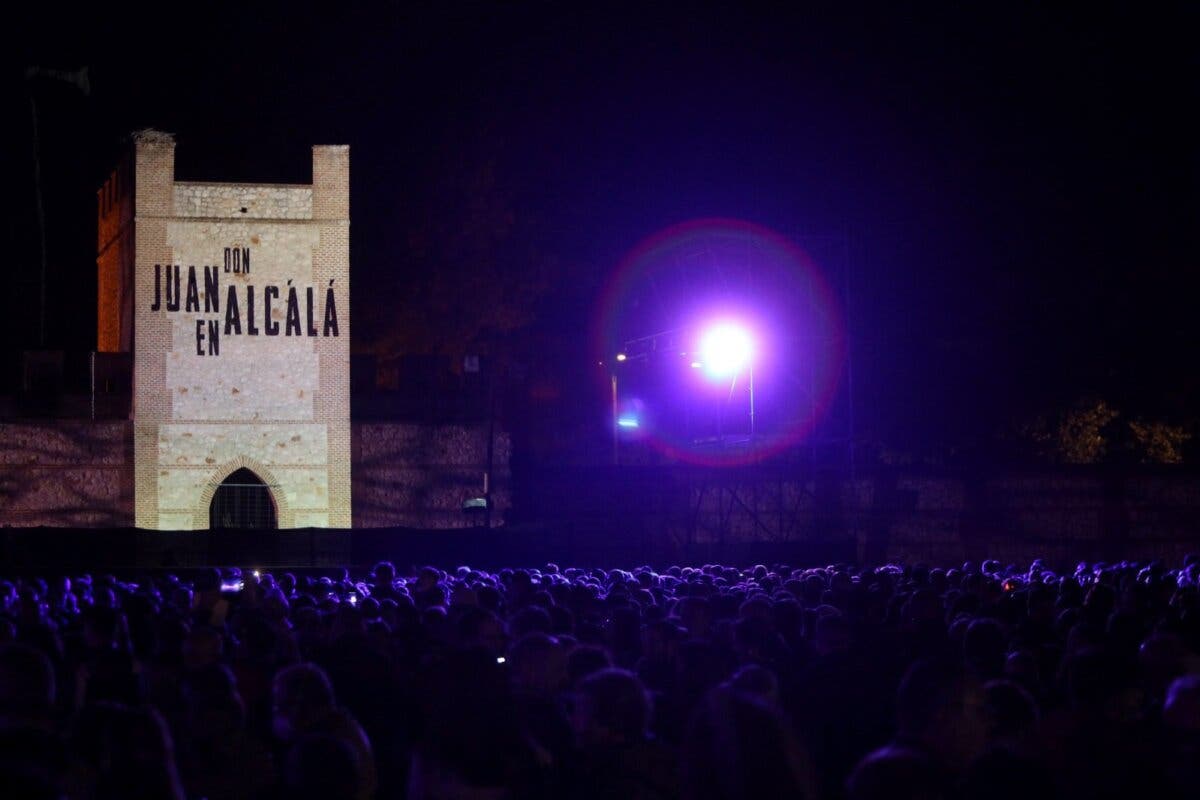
(1018, 183)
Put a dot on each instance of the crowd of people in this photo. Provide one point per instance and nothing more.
(701, 683)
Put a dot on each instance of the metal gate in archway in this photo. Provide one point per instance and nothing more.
(242, 501)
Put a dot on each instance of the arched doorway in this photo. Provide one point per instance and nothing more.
(242, 500)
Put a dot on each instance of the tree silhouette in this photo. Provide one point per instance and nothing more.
(468, 277)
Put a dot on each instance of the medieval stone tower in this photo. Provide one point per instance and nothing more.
(234, 300)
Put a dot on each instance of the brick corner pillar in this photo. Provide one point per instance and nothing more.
(154, 173)
(153, 207)
(331, 182)
(331, 271)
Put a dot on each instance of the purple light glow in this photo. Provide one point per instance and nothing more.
(746, 301)
(726, 348)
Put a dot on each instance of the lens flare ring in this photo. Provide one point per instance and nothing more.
(755, 303)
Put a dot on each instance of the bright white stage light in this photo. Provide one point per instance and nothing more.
(726, 349)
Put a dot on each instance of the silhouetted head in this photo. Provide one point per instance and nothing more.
(127, 752)
(384, 573)
(585, 660)
(1012, 710)
(757, 682)
(984, 646)
(611, 709)
(942, 710)
(737, 747)
(1181, 711)
(301, 694)
(538, 663)
(896, 772)
(1102, 682)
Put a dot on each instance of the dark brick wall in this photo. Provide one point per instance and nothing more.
(79, 474)
(418, 476)
(68, 474)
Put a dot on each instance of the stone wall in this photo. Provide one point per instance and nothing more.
(67, 474)
(1063, 515)
(252, 201)
(80, 474)
(419, 476)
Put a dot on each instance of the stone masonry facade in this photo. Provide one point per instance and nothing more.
(215, 387)
(79, 474)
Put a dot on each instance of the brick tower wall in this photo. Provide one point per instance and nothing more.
(205, 405)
